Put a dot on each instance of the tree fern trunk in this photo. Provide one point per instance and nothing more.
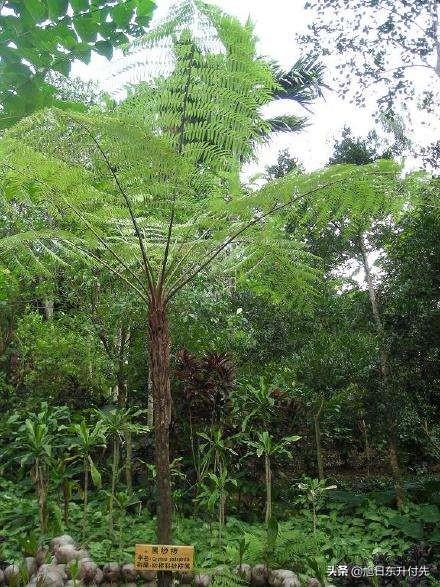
(150, 402)
(159, 357)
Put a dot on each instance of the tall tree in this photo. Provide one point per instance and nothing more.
(284, 164)
(389, 46)
(355, 236)
(411, 310)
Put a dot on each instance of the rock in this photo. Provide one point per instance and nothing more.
(49, 578)
(202, 580)
(283, 578)
(12, 574)
(62, 570)
(2, 577)
(63, 540)
(259, 575)
(30, 564)
(87, 570)
(59, 569)
(72, 583)
(186, 578)
(66, 553)
(111, 572)
(83, 553)
(244, 571)
(149, 576)
(40, 556)
(46, 567)
(99, 577)
(313, 582)
(128, 573)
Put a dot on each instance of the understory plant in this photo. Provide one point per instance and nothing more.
(86, 439)
(314, 494)
(212, 493)
(265, 446)
(117, 423)
(215, 452)
(36, 442)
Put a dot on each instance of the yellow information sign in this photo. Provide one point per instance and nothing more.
(164, 557)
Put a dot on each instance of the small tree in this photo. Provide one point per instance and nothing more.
(314, 492)
(86, 439)
(266, 447)
(37, 440)
(116, 423)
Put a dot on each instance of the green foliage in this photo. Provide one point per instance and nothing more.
(265, 445)
(216, 59)
(396, 39)
(285, 164)
(356, 536)
(61, 360)
(356, 150)
(108, 211)
(45, 36)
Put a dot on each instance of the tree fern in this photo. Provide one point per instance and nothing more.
(205, 85)
(151, 191)
(202, 77)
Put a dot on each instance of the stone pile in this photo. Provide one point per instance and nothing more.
(71, 566)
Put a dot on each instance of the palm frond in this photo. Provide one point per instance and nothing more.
(303, 83)
(286, 123)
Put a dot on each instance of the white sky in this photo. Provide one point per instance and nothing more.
(276, 24)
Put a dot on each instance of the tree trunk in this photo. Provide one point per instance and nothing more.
(159, 358)
(268, 475)
(41, 491)
(115, 469)
(319, 457)
(86, 496)
(367, 446)
(150, 402)
(397, 475)
(221, 514)
(128, 460)
(48, 309)
(386, 376)
(66, 499)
